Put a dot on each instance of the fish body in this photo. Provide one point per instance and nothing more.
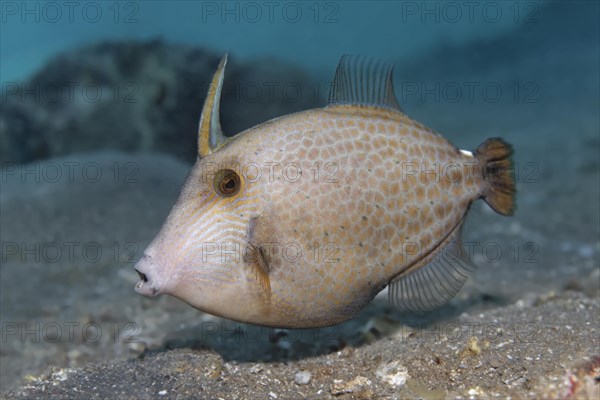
(300, 221)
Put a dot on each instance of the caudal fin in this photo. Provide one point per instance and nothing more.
(494, 155)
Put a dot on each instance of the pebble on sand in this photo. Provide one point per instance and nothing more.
(302, 377)
(392, 373)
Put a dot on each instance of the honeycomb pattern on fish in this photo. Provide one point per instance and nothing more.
(302, 220)
(391, 187)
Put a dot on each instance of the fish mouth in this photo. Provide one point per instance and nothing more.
(143, 278)
(146, 285)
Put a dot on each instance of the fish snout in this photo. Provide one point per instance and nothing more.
(147, 270)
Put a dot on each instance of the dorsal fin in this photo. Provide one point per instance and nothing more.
(210, 135)
(363, 81)
(435, 283)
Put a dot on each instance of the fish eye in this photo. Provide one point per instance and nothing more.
(227, 183)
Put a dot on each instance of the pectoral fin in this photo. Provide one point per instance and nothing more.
(259, 266)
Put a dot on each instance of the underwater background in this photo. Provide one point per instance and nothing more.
(100, 107)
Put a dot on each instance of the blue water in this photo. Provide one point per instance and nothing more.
(526, 71)
(310, 33)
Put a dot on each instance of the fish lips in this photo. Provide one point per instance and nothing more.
(148, 284)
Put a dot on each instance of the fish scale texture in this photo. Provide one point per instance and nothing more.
(336, 197)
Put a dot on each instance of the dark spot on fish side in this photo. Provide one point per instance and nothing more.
(360, 244)
(251, 228)
(364, 217)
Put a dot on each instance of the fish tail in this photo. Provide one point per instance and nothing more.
(495, 157)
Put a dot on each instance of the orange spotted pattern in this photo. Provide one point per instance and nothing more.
(341, 200)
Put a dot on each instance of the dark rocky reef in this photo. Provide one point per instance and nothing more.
(139, 96)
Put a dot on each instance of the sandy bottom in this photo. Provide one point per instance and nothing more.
(538, 351)
(526, 325)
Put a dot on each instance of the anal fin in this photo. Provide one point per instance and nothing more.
(432, 285)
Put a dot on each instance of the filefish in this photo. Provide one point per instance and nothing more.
(300, 221)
